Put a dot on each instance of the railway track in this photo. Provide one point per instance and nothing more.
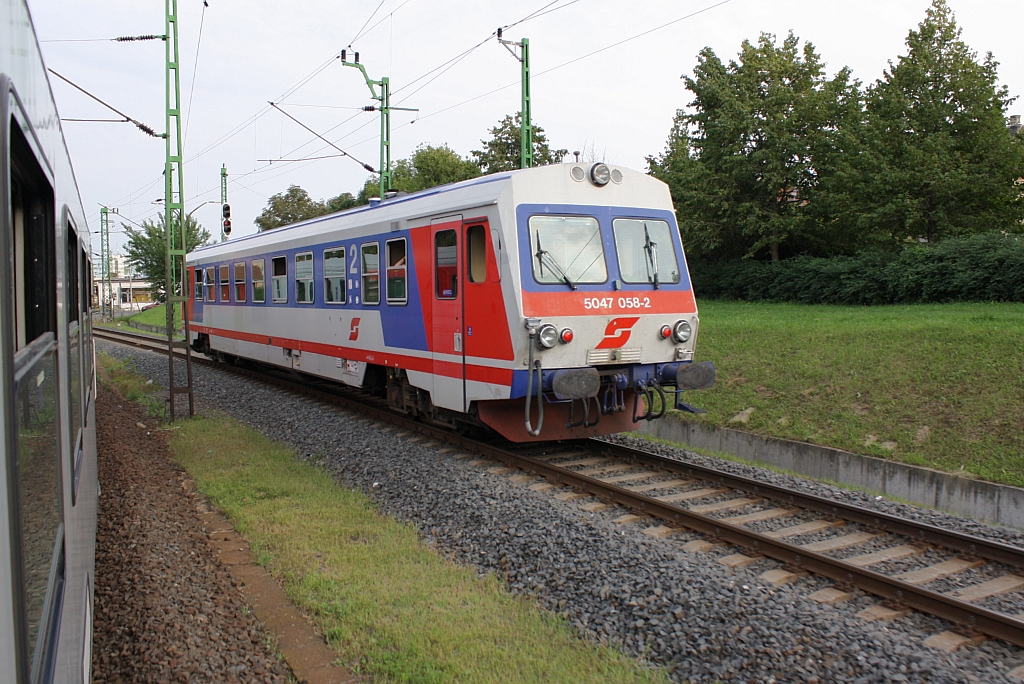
(763, 520)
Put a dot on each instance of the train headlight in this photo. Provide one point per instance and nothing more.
(547, 336)
(682, 331)
(565, 337)
(600, 174)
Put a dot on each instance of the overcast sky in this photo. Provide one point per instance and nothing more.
(618, 103)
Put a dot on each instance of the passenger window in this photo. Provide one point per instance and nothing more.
(446, 261)
(334, 276)
(34, 464)
(259, 281)
(197, 284)
(239, 281)
(211, 284)
(397, 269)
(476, 254)
(371, 273)
(280, 284)
(225, 286)
(74, 345)
(304, 278)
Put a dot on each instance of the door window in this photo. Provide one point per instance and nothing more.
(371, 273)
(396, 260)
(446, 264)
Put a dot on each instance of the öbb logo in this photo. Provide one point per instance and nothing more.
(617, 333)
(354, 330)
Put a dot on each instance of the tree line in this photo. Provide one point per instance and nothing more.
(774, 159)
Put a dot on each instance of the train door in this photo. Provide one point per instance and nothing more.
(487, 337)
(448, 346)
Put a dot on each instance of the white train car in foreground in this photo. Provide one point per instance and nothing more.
(547, 303)
(49, 486)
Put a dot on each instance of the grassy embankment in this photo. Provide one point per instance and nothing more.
(390, 606)
(934, 385)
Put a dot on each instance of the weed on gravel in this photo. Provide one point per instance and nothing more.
(131, 385)
(391, 606)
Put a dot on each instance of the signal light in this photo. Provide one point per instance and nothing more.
(665, 332)
(565, 337)
(226, 212)
(227, 226)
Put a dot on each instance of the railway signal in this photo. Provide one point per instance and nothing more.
(225, 215)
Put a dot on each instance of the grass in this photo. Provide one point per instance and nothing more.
(388, 604)
(934, 385)
(158, 315)
(121, 376)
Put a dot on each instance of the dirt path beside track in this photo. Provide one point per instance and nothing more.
(166, 609)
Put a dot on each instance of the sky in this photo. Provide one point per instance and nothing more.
(602, 81)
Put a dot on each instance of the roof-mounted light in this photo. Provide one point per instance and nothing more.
(600, 174)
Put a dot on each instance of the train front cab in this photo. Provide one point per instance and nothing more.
(609, 323)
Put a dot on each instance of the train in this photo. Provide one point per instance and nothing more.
(543, 304)
(48, 499)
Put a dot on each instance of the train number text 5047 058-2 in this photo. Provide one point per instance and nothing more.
(622, 302)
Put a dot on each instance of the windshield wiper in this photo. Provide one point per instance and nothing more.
(652, 254)
(552, 264)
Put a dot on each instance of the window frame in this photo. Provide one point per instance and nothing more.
(273, 280)
(533, 258)
(252, 279)
(311, 279)
(671, 242)
(470, 260)
(366, 275)
(437, 270)
(239, 283)
(224, 282)
(210, 283)
(404, 299)
(343, 250)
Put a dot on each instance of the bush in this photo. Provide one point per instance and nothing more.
(981, 268)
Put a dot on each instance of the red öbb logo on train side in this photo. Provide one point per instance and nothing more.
(354, 331)
(617, 333)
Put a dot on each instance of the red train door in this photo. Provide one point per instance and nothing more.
(449, 356)
(485, 319)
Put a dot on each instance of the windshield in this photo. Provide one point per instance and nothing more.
(567, 249)
(645, 250)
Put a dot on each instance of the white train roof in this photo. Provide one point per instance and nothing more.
(550, 185)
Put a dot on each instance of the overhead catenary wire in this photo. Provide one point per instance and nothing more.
(195, 70)
(141, 126)
(343, 152)
(359, 33)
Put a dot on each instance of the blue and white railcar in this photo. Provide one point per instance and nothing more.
(546, 303)
(49, 487)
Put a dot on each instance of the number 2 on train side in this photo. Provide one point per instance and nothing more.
(353, 266)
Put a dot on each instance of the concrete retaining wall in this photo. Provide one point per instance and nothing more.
(977, 499)
(159, 329)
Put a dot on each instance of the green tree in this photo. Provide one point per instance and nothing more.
(503, 152)
(291, 206)
(427, 167)
(146, 249)
(757, 163)
(345, 200)
(948, 162)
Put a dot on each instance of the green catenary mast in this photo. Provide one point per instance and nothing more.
(174, 213)
(385, 109)
(525, 113)
(105, 287)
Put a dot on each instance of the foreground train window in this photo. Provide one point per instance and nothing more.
(645, 250)
(239, 281)
(280, 282)
(34, 467)
(567, 249)
(211, 284)
(397, 267)
(304, 278)
(334, 276)
(259, 281)
(225, 285)
(446, 264)
(371, 273)
(476, 254)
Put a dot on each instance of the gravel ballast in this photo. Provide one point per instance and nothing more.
(166, 610)
(658, 602)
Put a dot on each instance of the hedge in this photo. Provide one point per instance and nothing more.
(981, 268)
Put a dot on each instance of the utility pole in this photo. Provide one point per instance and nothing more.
(174, 214)
(525, 113)
(105, 263)
(385, 110)
(225, 209)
